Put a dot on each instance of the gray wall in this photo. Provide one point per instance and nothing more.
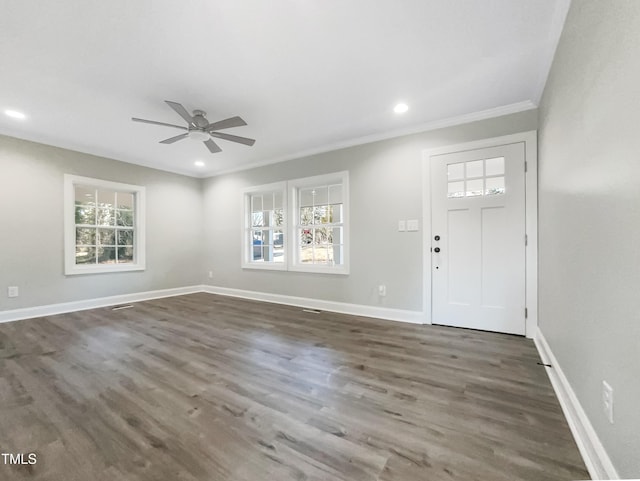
(385, 186)
(590, 216)
(31, 226)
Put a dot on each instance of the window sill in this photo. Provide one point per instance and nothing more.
(265, 266)
(79, 270)
(320, 269)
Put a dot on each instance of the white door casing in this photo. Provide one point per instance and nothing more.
(478, 213)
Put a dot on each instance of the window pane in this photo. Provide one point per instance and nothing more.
(125, 237)
(106, 217)
(475, 168)
(278, 246)
(277, 200)
(495, 186)
(320, 195)
(106, 198)
(257, 219)
(306, 197)
(125, 200)
(335, 194)
(106, 255)
(125, 255)
(323, 236)
(85, 255)
(85, 195)
(85, 215)
(278, 217)
(306, 215)
(475, 187)
(337, 254)
(335, 214)
(321, 214)
(455, 189)
(267, 202)
(455, 171)
(494, 166)
(256, 203)
(107, 237)
(85, 236)
(337, 235)
(124, 218)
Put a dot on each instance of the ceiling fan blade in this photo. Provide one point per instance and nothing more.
(158, 123)
(233, 138)
(225, 124)
(174, 139)
(212, 146)
(181, 111)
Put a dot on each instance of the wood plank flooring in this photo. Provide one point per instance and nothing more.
(204, 387)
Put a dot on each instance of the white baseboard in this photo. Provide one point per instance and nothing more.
(414, 317)
(52, 309)
(595, 457)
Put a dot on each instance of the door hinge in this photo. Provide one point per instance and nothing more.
(526, 166)
(526, 240)
(526, 313)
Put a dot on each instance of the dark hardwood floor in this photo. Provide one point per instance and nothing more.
(204, 387)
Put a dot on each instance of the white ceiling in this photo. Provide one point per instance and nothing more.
(306, 75)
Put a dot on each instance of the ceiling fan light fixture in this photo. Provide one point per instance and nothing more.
(200, 135)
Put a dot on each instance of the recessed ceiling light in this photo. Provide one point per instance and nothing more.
(199, 163)
(14, 114)
(400, 108)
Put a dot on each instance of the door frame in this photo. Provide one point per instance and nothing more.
(530, 140)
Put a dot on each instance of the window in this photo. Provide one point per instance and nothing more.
(300, 225)
(104, 226)
(265, 227)
(476, 178)
(319, 205)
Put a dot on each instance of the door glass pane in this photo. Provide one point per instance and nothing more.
(494, 166)
(475, 168)
(85, 215)
(495, 186)
(267, 202)
(455, 171)
(257, 219)
(256, 203)
(455, 189)
(475, 187)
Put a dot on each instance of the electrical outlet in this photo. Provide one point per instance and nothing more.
(12, 291)
(607, 400)
(402, 226)
(382, 290)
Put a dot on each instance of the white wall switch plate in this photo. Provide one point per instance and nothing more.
(607, 400)
(12, 291)
(402, 226)
(382, 290)
(412, 225)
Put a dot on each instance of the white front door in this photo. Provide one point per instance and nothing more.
(478, 238)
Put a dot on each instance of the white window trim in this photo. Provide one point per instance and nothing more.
(294, 185)
(69, 226)
(246, 214)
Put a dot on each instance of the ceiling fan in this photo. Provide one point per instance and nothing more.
(199, 128)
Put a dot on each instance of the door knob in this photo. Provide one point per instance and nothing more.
(437, 237)
(437, 249)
